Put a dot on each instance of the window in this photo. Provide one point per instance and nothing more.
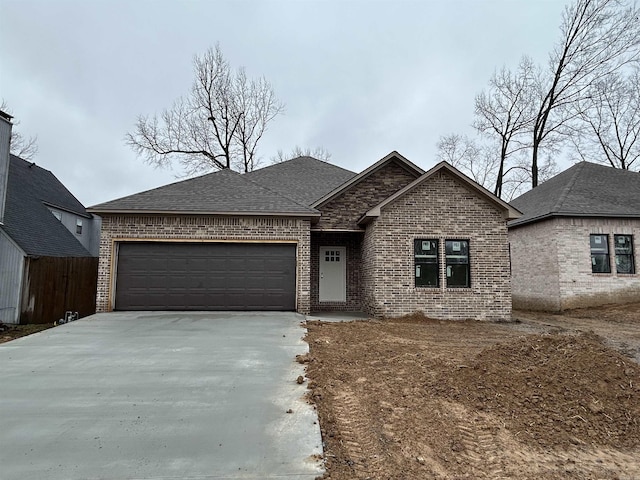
(600, 254)
(426, 262)
(332, 255)
(457, 259)
(58, 215)
(79, 226)
(623, 246)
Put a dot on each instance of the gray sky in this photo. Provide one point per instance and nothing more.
(359, 78)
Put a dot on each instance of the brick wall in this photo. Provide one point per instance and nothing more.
(571, 282)
(206, 228)
(352, 241)
(441, 208)
(344, 211)
(534, 266)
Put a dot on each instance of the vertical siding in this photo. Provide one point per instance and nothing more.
(11, 269)
(94, 230)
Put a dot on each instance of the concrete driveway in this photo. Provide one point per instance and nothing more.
(158, 396)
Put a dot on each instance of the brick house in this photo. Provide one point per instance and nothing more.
(575, 244)
(308, 236)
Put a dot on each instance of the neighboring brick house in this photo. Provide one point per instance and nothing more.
(308, 236)
(576, 243)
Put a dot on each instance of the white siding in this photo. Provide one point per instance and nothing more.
(11, 271)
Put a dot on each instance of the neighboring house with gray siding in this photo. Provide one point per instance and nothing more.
(45, 233)
(576, 244)
(306, 235)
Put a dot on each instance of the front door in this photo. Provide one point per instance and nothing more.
(333, 274)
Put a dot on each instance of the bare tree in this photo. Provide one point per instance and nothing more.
(608, 130)
(25, 148)
(319, 153)
(598, 37)
(216, 126)
(505, 113)
(257, 99)
(478, 161)
(481, 161)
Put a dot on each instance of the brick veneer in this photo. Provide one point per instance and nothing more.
(551, 264)
(343, 211)
(202, 228)
(441, 208)
(352, 241)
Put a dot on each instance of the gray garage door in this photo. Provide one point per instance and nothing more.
(205, 276)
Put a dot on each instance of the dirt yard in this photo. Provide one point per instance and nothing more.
(543, 397)
(11, 332)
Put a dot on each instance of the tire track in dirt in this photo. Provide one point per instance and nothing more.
(481, 450)
(355, 430)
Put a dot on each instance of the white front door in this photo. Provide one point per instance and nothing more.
(333, 274)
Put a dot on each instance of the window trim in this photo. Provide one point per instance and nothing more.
(417, 264)
(629, 255)
(468, 263)
(606, 254)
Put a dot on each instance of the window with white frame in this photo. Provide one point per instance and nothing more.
(79, 226)
(600, 261)
(623, 248)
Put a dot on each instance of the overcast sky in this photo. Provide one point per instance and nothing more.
(359, 78)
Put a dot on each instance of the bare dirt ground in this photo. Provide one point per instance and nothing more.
(543, 397)
(11, 332)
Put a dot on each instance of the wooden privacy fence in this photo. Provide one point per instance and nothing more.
(53, 285)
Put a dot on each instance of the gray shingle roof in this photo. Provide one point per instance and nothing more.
(224, 191)
(586, 189)
(27, 219)
(285, 188)
(303, 179)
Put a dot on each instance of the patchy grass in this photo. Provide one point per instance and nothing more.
(11, 332)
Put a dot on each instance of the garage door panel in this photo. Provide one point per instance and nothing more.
(205, 276)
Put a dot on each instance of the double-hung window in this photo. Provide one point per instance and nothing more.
(600, 262)
(623, 245)
(457, 259)
(426, 262)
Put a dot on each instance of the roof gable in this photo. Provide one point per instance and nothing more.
(508, 211)
(392, 157)
(585, 189)
(303, 179)
(221, 192)
(29, 222)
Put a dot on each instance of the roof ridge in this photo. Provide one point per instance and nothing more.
(296, 158)
(278, 193)
(567, 188)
